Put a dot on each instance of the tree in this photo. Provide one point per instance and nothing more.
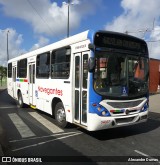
(3, 73)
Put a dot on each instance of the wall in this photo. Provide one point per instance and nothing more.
(154, 75)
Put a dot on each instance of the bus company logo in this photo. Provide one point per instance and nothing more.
(127, 111)
(50, 91)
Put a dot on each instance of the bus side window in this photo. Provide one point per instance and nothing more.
(43, 65)
(22, 68)
(9, 70)
(60, 63)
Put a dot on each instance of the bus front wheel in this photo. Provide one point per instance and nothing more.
(60, 115)
(20, 100)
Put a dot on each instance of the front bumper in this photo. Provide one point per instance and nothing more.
(96, 122)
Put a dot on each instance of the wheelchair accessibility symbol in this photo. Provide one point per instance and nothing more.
(124, 91)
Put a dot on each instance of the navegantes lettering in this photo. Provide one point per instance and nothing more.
(50, 91)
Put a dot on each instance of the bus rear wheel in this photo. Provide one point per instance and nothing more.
(60, 115)
(20, 100)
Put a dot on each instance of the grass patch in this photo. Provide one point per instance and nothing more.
(4, 82)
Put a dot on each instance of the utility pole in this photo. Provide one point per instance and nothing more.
(68, 19)
(7, 43)
(7, 46)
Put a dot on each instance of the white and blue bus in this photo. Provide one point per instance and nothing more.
(97, 80)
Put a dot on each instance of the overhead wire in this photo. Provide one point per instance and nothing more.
(153, 41)
(43, 20)
(145, 31)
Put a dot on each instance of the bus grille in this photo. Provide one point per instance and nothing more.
(124, 120)
(124, 104)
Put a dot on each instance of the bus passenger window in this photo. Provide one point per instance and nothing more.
(22, 68)
(43, 65)
(9, 70)
(60, 63)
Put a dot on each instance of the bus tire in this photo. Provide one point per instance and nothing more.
(60, 115)
(20, 100)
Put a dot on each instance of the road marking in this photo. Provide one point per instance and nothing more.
(8, 107)
(41, 137)
(41, 143)
(141, 153)
(52, 127)
(22, 128)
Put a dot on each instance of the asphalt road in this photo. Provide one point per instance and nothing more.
(24, 135)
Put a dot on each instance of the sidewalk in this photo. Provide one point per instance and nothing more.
(154, 103)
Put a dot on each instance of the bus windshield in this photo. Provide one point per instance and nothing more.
(117, 74)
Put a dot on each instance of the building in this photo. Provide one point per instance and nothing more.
(154, 75)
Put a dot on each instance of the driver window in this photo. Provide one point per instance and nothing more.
(100, 72)
(114, 70)
(139, 70)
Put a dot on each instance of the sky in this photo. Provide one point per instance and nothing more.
(35, 23)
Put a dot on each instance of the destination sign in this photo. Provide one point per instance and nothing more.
(118, 41)
(121, 43)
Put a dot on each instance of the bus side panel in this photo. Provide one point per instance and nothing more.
(9, 86)
(67, 99)
(23, 88)
(42, 94)
(48, 89)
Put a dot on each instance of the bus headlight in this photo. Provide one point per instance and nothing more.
(103, 113)
(100, 110)
(144, 108)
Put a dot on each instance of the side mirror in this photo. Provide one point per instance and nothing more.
(91, 46)
(91, 64)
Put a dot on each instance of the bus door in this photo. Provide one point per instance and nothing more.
(14, 71)
(80, 87)
(32, 92)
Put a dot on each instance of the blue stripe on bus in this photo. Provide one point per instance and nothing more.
(93, 96)
(90, 36)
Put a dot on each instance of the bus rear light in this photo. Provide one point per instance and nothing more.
(68, 110)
